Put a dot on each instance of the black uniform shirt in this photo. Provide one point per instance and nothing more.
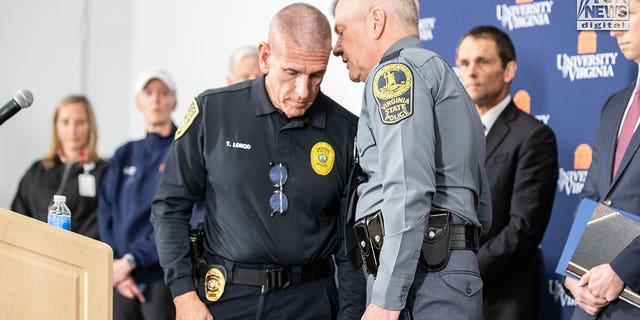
(223, 153)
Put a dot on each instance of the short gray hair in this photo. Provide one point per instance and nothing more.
(237, 55)
(303, 24)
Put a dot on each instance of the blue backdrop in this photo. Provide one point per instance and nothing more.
(563, 75)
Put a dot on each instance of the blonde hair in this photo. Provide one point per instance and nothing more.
(92, 154)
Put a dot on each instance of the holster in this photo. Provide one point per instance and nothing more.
(369, 232)
(356, 177)
(436, 244)
(196, 251)
(440, 237)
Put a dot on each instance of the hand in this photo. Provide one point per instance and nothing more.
(129, 288)
(603, 282)
(189, 307)
(585, 299)
(121, 270)
(375, 312)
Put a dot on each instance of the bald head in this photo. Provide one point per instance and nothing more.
(302, 25)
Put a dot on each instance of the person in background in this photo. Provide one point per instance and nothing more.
(71, 168)
(613, 180)
(270, 158)
(125, 205)
(522, 167)
(243, 65)
(421, 148)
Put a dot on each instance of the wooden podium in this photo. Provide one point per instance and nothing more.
(50, 273)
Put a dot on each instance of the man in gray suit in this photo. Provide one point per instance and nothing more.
(522, 167)
(421, 148)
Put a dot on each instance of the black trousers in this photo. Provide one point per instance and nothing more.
(159, 304)
(317, 299)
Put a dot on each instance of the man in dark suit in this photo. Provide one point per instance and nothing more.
(522, 167)
(613, 180)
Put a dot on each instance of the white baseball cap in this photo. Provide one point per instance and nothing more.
(153, 73)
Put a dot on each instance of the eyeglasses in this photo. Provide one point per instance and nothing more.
(278, 200)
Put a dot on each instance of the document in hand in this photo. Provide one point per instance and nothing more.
(597, 235)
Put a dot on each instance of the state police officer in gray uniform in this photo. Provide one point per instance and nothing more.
(270, 158)
(421, 147)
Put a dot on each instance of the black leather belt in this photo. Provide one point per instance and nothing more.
(269, 277)
(465, 237)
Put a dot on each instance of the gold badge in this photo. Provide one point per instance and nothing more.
(322, 158)
(393, 91)
(191, 114)
(214, 283)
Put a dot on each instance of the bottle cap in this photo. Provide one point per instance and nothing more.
(58, 197)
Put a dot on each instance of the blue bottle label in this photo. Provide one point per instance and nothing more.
(61, 221)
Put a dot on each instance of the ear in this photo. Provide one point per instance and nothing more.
(510, 71)
(264, 52)
(378, 21)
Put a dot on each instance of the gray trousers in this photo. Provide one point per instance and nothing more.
(452, 293)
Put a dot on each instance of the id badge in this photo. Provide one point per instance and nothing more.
(87, 185)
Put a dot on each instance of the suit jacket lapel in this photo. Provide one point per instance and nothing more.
(500, 129)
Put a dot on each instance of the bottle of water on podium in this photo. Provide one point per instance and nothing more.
(59, 213)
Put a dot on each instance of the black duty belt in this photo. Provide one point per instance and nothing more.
(441, 236)
(464, 237)
(269, 277)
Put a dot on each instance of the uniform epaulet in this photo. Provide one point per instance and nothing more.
(391, 55)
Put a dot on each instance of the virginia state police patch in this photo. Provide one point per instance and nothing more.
(393, 90)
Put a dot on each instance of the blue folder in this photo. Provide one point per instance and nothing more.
(597, 235)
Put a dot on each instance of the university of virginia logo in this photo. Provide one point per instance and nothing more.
(524, 14)
(522, 100)
(588, 63)
(572, 181)
(426, 26)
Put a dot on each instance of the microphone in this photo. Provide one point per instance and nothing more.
(22, 99)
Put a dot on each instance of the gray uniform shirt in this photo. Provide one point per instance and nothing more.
(421, 143)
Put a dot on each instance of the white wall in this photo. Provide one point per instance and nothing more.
(42, 46)
(98, 48)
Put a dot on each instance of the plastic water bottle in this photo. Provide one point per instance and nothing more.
(59, 213)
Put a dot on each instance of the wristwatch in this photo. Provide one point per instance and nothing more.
(131, 260)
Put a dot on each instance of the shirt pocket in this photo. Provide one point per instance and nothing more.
(365, 140)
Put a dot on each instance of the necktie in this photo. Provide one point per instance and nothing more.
(628, 127)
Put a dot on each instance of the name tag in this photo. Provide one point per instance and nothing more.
(87, 185)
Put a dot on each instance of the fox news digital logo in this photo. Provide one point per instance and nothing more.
(603, 15)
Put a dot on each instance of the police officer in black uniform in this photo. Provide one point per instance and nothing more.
(271, 159)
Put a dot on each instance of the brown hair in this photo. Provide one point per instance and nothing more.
(506, 51)
(92, 154)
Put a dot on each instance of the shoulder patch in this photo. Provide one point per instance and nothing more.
(191, 114)
(393, 91)
(322, 158)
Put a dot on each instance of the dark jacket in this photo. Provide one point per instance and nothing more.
(38, 185)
